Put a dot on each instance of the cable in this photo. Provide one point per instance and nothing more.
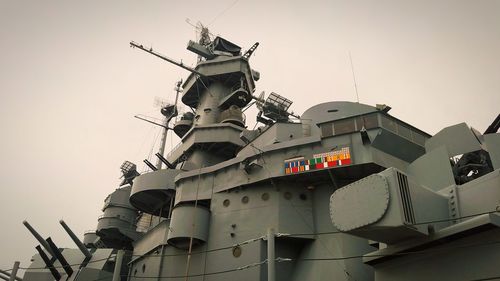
(278, 235)
(279, 259)
(201, 274)
(222, 12)
(413, 224)
(167, 255)
(300, 215)
(404, 253)
(262, 237)
(205, 86)
(76, 264)
(354, 77)
(308, 259)
(206, 251)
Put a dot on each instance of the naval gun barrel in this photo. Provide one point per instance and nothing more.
(59, 256)
(493, 128)
(38, 237)
(150, 50)
(75, 239)
(48, 262)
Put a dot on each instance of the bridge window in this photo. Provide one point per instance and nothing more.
(371, 121)
(404, 131)
(327, 130)
(389, 124)
(344, 126)
(368, 121)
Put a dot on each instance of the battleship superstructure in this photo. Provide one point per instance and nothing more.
(344, 191)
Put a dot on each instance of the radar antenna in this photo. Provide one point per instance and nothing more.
(205, 36)
(169, 111)
(260, 100)
(274, 108)
(129, 172)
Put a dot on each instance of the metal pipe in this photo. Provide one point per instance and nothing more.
(493, 128)
(149, 121)
(163, 141)
(271, 257)
(150, 165)
(118, 265)
(38, 237)
(67, 268)
(75, 239)
(160, 267)
(180, 64)
(48, 263)
(164, 160)
(13, 274)
(8, 275)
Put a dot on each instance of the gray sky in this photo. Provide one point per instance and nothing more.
(70, 85)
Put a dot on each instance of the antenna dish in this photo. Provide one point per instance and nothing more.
(160, 102)
(166, 108)
(276, 106)
(260, 100)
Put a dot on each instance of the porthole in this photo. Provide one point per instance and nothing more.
(265, 196)
(237, 251)
(244, 199)
(143, 268)
(226, 202)
(303, 197)
(287, 195)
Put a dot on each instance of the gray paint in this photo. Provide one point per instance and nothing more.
(458, 139)
(442, 224)
(229, 193)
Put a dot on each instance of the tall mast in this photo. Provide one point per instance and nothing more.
(169, 112)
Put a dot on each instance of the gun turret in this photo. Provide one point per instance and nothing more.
(59, 256)
(48, 262)
(38, 237)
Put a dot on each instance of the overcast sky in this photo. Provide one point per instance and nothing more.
(70, 85)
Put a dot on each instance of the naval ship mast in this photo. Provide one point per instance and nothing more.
(344, 192)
